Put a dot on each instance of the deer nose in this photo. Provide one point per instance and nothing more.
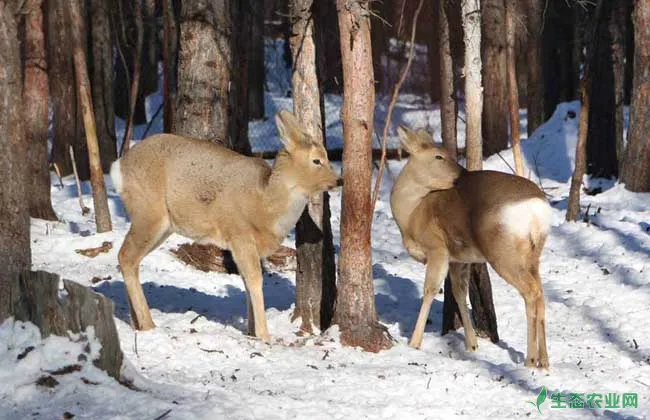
(339, 182)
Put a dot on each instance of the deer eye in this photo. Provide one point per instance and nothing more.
(316, 161)
(439, 157)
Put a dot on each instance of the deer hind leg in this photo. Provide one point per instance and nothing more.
(541, 323)
(437, 267)
(145, 235)
(248, 263)
(459, 285)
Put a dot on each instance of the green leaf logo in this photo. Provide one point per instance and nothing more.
(540, 399)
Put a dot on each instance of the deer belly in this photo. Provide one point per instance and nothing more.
(462, 251)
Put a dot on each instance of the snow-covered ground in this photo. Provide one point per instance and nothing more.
(199, 364)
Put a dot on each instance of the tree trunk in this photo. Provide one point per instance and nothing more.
(513, 90)
(316, 273)
(471, 15)
(102, 80)
(636, 175)
(601, 134)
(480, 289)
(75, 22)
(149, 73)
(380, 36)
(204, 63)
(35, 297)
(66, 121)
(35, 97)
(331, 68)
(618, 31)
(535, 85)
(15, 252)
(169, 49)
(134, 91)
(242, 22)
(256, 62)
(355, 309)
(495, 85)
(448, 107)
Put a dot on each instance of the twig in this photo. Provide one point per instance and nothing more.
(57, 171)
(163, 415)
(135, 343)
(160, 107)
(84, 210)
(391, 106)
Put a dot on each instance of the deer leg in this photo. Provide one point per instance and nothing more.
(437, 267)
(251, 315)
(248, 262)
(143, 237)
(541, 322)
(459, 285)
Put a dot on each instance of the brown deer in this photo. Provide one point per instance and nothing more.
(449, 215)
(216, 196)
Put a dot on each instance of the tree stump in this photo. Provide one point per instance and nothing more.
(35, 297)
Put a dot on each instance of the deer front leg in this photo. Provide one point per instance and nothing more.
(459, 285)
(248, 262)
(437, 267)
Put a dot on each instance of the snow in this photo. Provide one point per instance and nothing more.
(199, 363)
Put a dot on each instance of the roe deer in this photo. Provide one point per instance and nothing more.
(213, 195)
(449, 215)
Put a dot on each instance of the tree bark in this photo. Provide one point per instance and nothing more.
(636, 175)
(495, 84)
(242, 22)
(471, 15)
(316, 273)
(355, 310)
(149, 73)
(448, 106)
(601, 134)
(204, 67)
(34, 297)
(535, 85)
(15, 252)
(618, 31)
(66, 122)
(102, 80)
(35, 97)
(513, 90)
(102, 215)
(256, 62)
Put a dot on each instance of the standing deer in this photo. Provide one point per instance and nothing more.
(216, 196)
(449, 215)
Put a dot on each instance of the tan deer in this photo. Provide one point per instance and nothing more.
(213, 195)
(449, 215)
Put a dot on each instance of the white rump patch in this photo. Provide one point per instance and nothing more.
(518, 217)
(116, 176)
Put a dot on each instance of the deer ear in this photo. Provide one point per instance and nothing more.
(290, 130)
(410, 140)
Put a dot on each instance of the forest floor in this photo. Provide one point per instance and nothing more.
(199, 363)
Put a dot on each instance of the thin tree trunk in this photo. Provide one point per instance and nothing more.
(15, 252)
(380, 36)
(513, 90)
(256, 62)
(149, 72)
(480, 289)
(573, 206)
(448, 107)
(355, 309)
(102, 215)
(102, 79)
(331, 69)
(168, 47)
(35, 97)
(204, 67)
(135, 80)
(316, 273)
(637, 164)
(535, 85)
(495, 82)
(471, 15)
(618, 31)
(241, 36)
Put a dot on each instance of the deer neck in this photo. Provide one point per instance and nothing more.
(285, 201)
(405, 197)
